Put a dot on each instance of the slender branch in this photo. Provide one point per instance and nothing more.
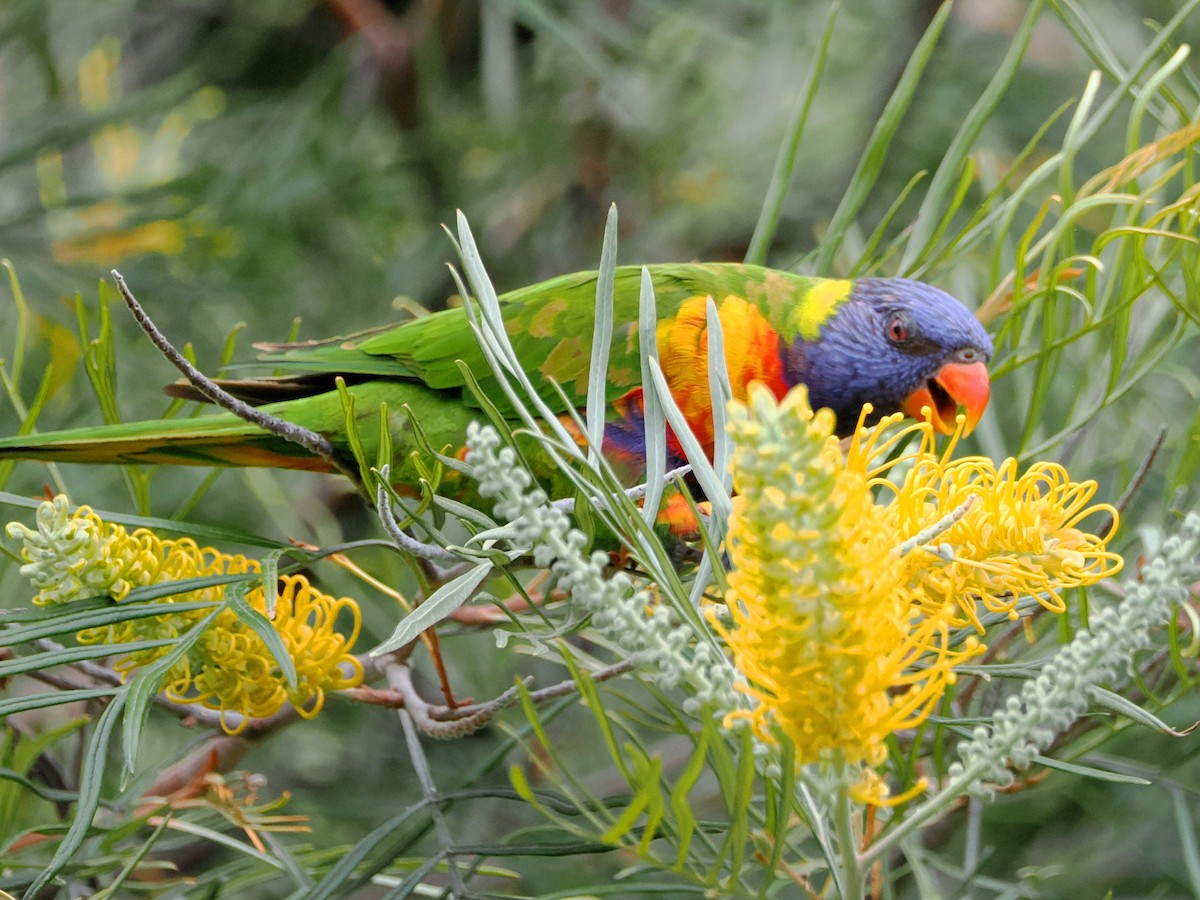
(445, 722)
(512, 695)
(406, 542)
(566, 687)
(634, 493)
(93, 670)
(494, 615)
(55, 681)
(297, 434)
(1135, 484)
(399, 676)
(421, 767)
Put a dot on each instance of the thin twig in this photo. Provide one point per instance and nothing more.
(1135, 484)
(290, 431)
(565, 687)
(634, 493)
(505, 611)
(465, 720)
(93, 670)
(444, 722)
(406, 542)
(512, 695)
(56, 681)
(421, 767)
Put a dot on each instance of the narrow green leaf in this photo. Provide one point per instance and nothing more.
(681, 806)
(871, 163)
(29, 420)
(721, 393)
(36, 662)
(497, 347)
(134, 861)
(90, 784)
(214, 836)
(36, 788)
(57, 698)
(1071, 140)
(1089, 771)
(779, 814)
(21, 334)
(647, 799)
(269, 579)
(1186, 829)
(867, 257)
(653, 421)
(597, 392)
(385, 454)
(147, 682)
(384, 841)
(1149, 91)
(199, 532)
(261, 625)
(441, 603)
(702, 469)
(408, 887)
(789, 150)
(944, 179)
(521, 784)
(110, 614)
(966, 181)
(742, 800)
(353, 438)
(490, 409)
(1126, 708)
(589, 693)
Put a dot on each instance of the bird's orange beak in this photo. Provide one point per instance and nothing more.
(955, 385)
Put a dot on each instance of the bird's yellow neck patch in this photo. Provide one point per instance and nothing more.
(821, 302)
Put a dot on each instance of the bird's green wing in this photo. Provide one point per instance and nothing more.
(550, 325)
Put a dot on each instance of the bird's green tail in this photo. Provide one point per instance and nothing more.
(225, 440)
(208, 441)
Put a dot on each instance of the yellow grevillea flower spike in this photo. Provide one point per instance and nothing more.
(75, 555)
(825, 626)
(1013, 535)
(852, 568)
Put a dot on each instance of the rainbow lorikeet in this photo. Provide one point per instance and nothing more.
(895, 343)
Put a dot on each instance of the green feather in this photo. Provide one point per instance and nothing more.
(414, 364)
(550, 326)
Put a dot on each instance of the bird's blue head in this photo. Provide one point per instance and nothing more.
(899, 345)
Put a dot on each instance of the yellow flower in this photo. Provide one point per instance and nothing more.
(72, 556)
(238, 673)
(1019, 535)
(851, 569)
(826, 627)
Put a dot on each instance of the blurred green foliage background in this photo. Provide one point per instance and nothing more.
(265, 162)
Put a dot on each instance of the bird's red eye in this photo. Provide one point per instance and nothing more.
(897, 328)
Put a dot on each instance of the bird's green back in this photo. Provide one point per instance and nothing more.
(550, 325)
